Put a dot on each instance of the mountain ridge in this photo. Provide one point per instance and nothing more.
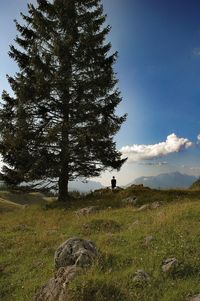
(166, 180)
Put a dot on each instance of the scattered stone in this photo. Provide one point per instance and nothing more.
(195, 298)
(135, 223)
(118, 188)
(132, 200)
(75, 251)
(37, 264)
(87, 210)
(169, 264)
(101, 191)
(147, 241)
(21, 227)
(141, 277)
(155, 205)
(56, 288)
(144, 207)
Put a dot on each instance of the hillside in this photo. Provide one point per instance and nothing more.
(196, 185)
(29, 236)
(166, 181)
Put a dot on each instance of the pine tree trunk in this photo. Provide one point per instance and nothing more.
(63, 194)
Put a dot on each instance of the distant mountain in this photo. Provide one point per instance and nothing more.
(166, 180)
(84, 187)
(76, 185)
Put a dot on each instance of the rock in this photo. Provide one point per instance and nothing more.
(118, 188)
(101, 191)
(195, 298)
(132, 200)
(169, 264)
(56, 288)
(143, 207)
(87, 210)
(70, 257)
(155, 205)
(135, 223)
(147, 241)
(21, 227)
(75, 251)
(141, 277)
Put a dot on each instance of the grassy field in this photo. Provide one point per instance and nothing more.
(32, 226)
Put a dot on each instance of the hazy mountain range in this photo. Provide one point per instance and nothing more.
(80, 185)
(166, 180)
(76, 185)
(162, 181)
(84, 187)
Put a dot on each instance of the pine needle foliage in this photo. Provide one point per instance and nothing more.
(61, 121)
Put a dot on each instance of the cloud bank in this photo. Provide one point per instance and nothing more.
(173, 144)
(153, 163)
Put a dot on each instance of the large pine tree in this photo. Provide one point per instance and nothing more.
(61, 121)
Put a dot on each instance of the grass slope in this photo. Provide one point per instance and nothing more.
(6, 205)
(30, 236)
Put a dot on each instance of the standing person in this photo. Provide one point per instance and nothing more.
(113, 183)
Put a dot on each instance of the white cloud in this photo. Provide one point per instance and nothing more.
(154, 163)
(196, 51)
(173, 144)
(195, 168)
(198, 138)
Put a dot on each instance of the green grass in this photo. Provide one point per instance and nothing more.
(32, 226)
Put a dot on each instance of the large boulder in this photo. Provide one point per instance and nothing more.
(141, 278)
(143, 207)
(195, 298)
(56, 288)
(147, 241)
(87, 210)
(169, 265)
(70, 258)
(131, 201)
(75, 251)
(155, 205)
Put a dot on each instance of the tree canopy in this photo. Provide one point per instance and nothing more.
(61, 120)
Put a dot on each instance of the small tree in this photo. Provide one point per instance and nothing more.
(61, 121)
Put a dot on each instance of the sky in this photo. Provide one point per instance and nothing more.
(159, 78)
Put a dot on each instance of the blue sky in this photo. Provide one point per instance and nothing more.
(159, 76)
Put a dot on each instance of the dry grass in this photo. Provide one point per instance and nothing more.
(30, 235)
